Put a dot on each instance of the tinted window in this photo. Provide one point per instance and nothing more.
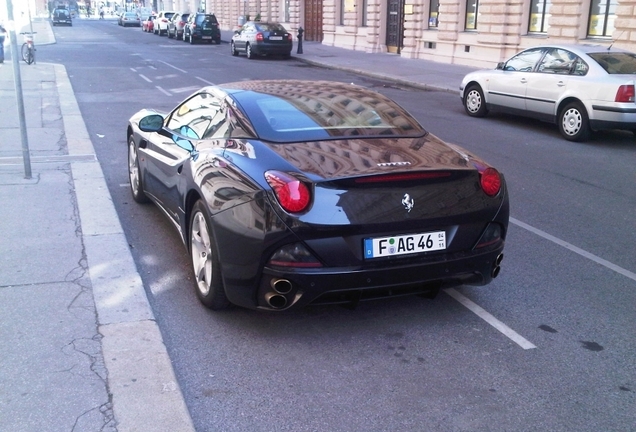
(201, 116)
(616, 62)
(210, 18)
(270, 27)
(311, 116)
(169, 15)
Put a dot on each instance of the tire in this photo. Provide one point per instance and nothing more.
(205, 261)
(134, 173)
(218, 40)
(23, 51)
(30, 57)
(574, 123)
(248, 52)
(233, 49)
(474, 101)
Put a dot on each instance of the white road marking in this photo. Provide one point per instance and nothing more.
(173, 67)
(575, 249)
(205, 81)
(163, 91)
(146, 78)
(185, 89)
(490, 319)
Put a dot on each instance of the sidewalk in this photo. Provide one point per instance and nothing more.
(80, 348)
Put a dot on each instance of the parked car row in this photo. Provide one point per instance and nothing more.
(253, 39)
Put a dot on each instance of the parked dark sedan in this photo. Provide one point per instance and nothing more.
(287, 193)
(261, 38)
(202, 27)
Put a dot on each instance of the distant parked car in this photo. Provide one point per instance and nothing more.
(148, 24)
(127, 19)
(62, 16)
(176, 24)
(160, 25)
(581, 88)
(261, 38)
(202, 27)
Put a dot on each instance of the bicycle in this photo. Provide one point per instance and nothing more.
(28, 48)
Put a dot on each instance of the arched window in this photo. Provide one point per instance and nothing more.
(539, 16)
(602, 16)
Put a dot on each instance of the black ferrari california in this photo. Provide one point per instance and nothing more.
(288, 193)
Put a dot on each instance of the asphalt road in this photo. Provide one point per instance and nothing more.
(549, 345)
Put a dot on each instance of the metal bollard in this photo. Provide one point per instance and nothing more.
(300, 40)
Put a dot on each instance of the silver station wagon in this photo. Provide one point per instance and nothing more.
(581, 88)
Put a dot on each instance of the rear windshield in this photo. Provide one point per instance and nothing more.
(269, 27)
(209, 18)
(616, 62)
(313, 116)
(169, 15)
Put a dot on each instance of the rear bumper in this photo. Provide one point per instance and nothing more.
(344, 285)
(271, 49)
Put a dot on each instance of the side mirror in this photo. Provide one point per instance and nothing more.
(500, 66)
(151, 123)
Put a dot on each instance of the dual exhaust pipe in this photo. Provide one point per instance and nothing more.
(278, 299)
(496, 268)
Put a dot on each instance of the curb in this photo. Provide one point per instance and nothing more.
(141, 382)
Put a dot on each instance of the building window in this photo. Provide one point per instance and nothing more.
(539, 16)
(433, 14)
(602, 16)
(472, 10)
(365, 9)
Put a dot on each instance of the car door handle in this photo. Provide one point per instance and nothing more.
(524, 81)
(560, 84)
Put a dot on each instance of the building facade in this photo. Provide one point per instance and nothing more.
(468, 32)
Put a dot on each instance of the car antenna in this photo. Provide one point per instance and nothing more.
(617, 37)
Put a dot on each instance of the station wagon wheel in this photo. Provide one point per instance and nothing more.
(574, 124)
(248, 52)
(233, 49)
(205, 261)
(474, 101)
(134, 174)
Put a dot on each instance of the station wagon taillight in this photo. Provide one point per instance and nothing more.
(259, 37)
(625, 93)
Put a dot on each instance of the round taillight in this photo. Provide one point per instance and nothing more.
(490, 181)
(292, 194)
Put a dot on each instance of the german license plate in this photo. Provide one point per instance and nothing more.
(404, 244)
(206, 37)
(275, 38)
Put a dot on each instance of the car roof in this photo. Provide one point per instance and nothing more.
(582, 48)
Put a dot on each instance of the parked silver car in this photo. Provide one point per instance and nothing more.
(581, 88)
